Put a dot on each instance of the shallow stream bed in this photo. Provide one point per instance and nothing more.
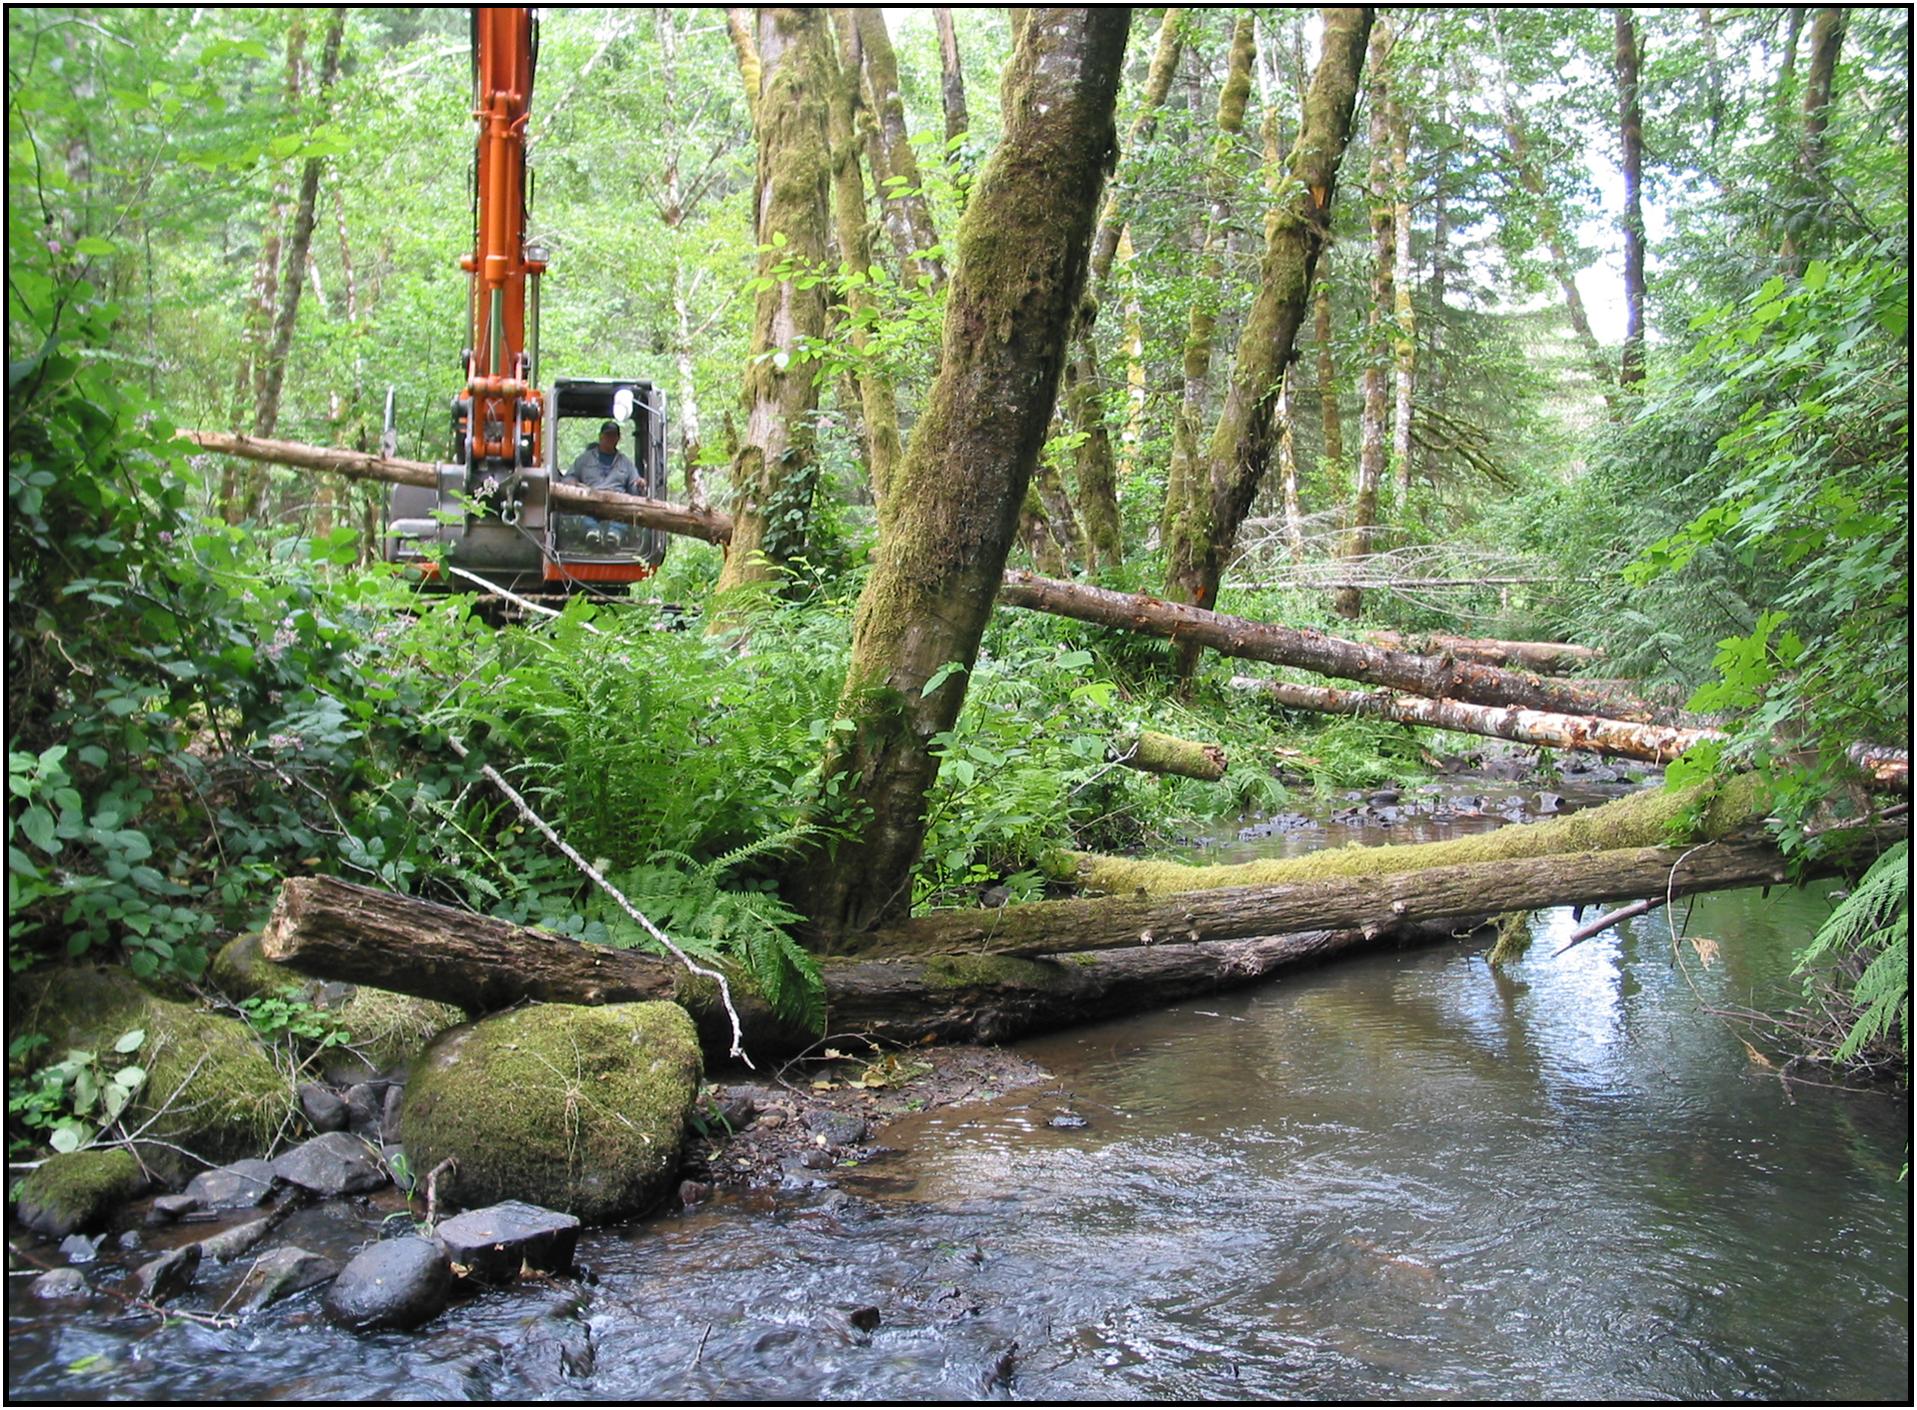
(1402, 1175)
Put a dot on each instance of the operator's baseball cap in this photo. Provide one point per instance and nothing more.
(612, 426)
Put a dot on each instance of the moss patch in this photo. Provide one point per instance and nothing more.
(77, 1190)
(1650, 819)
(982, 971)
(393, 1028)
(222, 1095)
(241, 972)
(577, 1109)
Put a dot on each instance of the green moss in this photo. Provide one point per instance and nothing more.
(240, 971)
(1649, 819)
(392, 1028)
(1514, 938)
(991, 971)
(77, 1190)
(210, 1086)
(577, 1109)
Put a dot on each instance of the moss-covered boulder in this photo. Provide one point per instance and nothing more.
(210, 1089)
(577, 1109)
(240, 971)
(77, 1190)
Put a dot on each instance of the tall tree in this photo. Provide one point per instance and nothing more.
(1022, 251)
(1404, 333)
(951, 77)
(1362, 519)
(1205, 527)
(1630, 119)
(908, 215)
(775, 472)
(1827, 38)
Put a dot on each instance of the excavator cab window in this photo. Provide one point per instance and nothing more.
(611, 436)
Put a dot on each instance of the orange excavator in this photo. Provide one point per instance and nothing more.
(491, 517)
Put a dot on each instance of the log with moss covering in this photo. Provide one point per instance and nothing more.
(1154, 753)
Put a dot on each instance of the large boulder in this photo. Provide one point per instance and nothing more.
(580, 1109)
(77, 1190)
(400, 1283)
(210, 1086)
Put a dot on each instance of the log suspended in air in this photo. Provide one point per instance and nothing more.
(1545, 656)
(1154, 753)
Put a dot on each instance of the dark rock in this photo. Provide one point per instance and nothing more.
(400, 1283)
(240, 1185)
(365, 1106)
(693, 1192)
(167, 1208)
(1384, 797)
(74, 1190)
(229, 1244)
(78, 1248)
(128, 1241)
(389, 1110)
(168, 1275)
(60, 1283)
(282, 1273)
(323, 1108)
(495, 1243)
(1067, 1121)
(333, 1164)
(866, 1319)
(838, 1127)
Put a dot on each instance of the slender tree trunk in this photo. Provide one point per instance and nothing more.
(775, 472)
(739, 28)
(963, 479)
(1827, 39)
(878, 406)
(1713, 70)
(1404, 342)
(1330, 417)
(952, 77)
(1631, 143)
(1288, 471)
(1202, 325)
(1035, 532)
(1440, 255)
(673, 215)
(908, 216)
(1059, 513)
(1348, 601)
(1097, 468)
(1205, 530)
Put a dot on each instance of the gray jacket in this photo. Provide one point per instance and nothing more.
(595, 474)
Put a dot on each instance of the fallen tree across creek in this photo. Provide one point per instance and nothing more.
(1545, 656)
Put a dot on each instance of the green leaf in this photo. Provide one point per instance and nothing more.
(130, 1040)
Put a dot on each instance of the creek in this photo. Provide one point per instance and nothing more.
(1402, 1175)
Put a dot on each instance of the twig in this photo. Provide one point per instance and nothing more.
(137, 1304)
(448, 1166)
(1605, 922)
(512, 596)
(698, 1355)
(498, 780)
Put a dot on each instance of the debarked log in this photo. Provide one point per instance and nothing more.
(1439, 677)
(1154, 753)
(1546, 656)
(1365, 903)
(706, 524)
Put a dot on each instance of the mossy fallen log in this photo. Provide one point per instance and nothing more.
(1154, 753)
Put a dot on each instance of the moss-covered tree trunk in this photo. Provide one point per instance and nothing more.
(1630, 121)
(1204, 527)
(907, 214)
(1096, 467)
(1404, 334)
(1827, 39)
(775, 471)
(878, 405)
(951, 77)
(1201, 326)
(1362, 518)
(1022, 250)
(739, 27)
(1330, 417)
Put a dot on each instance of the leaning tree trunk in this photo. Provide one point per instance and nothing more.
(1022, 248)
(1204, 530)
(775, 472)
(1827, 38)
(1348, 601)
(951, 78)
(1630, 119)
(907, 214)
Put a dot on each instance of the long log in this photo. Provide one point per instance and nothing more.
(1885, 769)
(1438, 677)
(706, 524)
(1544, 656)
(1367, 903)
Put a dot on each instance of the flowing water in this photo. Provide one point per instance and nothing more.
(1402, 1175)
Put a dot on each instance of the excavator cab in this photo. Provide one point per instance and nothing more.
(490, 517)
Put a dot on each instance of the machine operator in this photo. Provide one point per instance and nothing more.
(601, 466)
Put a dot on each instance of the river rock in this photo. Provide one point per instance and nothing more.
(840, 1128)
(78, 1248)
(365, 1102)
(494, 1244)
(333, 1164)
(229, 1244)
(168, 1275)
(58, 1284)
(322, 1107)
(400, 1283)
(76, 1190)
(241, 1185)
(574, 1108)
(280, 1274)
(168, 1208)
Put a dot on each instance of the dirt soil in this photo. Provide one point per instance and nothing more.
(792, 1126)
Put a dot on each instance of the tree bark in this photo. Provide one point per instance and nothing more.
(907, 214)
(1022, 252)
(1348, 601)
(1631, 144)
(878, 405)
(739, 28)
(951, 77)
(1545, 656)
(775, 472)
(1827, 38)
(1205, 528)
(1153, 753)
(1439, 677)
(1404, 338)
(1060, 516)
(1330, 419)
(672, 214)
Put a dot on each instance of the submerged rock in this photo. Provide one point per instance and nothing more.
(282, 1273)
(400, 1284)
(168, 1275)
(838, 1127)
(241, 1185)
(579, 1109)
(59, 1284)
(494, 1244)
(333, 1164)
(77, 1190)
